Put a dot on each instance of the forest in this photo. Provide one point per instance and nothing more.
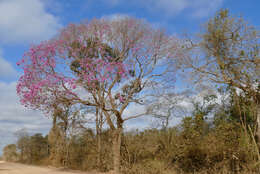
(87, 77)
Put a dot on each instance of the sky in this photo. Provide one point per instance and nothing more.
(27, 22)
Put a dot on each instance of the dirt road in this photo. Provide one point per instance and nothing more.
(14, 168)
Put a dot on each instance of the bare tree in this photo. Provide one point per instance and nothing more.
(166, 105)
(227, 54)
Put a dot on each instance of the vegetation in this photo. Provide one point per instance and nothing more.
(196, 145)
(111, 65)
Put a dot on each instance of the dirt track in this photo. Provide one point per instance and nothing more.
(14, 168)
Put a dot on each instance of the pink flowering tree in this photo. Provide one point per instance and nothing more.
(105, 64)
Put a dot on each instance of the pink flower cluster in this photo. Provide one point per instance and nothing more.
(44, 79)
(95, 54)
(102, 71)
(40, 80)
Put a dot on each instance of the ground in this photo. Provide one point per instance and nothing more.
(14, 168)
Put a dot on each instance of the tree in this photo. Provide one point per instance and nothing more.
(105, 64)
(22, 143)
(10, 153)
(165, 106)
(39, 147)
(228, 55)
(65, 120)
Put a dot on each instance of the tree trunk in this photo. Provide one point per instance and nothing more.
(116, 139)
(258, 126)
(99, 149)
(99, 120)
(22, 154)
(117, 133)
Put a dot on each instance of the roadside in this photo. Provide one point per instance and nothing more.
(15, 168)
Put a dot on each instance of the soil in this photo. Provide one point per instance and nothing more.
(15, 168)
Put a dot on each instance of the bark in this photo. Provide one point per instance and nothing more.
(117, 135)
(116, 139)
(258, 125)
(99, 150)
(22, 153)
(99, 126)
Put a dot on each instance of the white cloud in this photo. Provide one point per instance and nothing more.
(168, 7)
(206, 7)
(6, 69)
(26, 21)
(14, 116)
(115, 17)
(171, 8)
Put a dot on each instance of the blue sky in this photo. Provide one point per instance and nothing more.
(23, 22)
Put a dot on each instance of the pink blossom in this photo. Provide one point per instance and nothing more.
(90, 55)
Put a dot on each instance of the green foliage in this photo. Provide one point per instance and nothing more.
(183, 149)
(10, 153)
(32, 149)
(221, 143)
